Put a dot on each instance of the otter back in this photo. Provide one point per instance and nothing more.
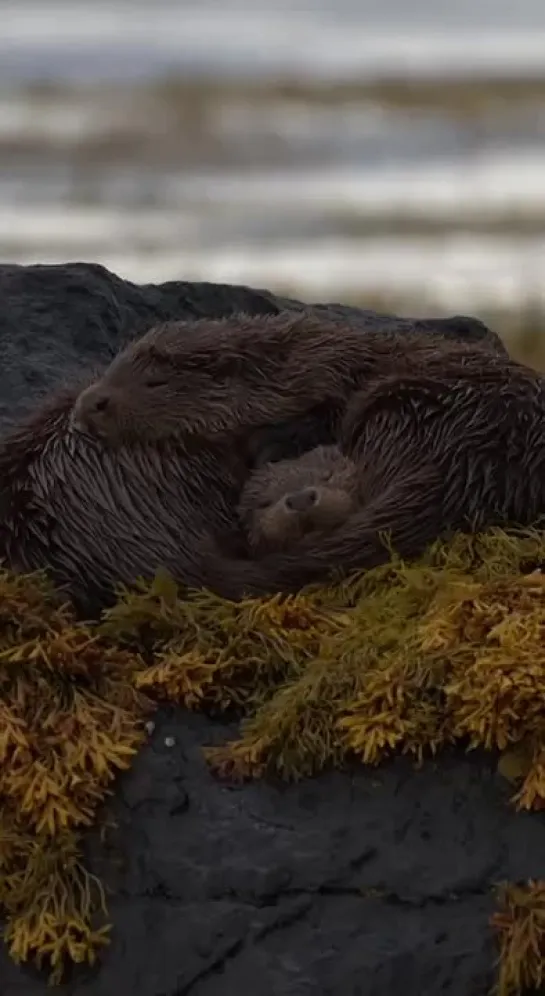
(461, 447)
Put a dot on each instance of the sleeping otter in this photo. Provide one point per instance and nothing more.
(95, 518)
(445, 437)
(283, 501)
(237, 375)
(458, 448)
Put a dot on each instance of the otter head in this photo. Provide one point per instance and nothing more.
(178, 380)
(283, 501)
(203, 379)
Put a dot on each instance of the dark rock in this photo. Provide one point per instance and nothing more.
(56, 321)
(358, 883)
(362, 883)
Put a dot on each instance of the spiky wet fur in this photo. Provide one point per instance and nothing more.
(458, 446)
(95, 518)
(240, 374)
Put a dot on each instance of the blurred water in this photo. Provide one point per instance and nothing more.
(251, 163)
(130, 38)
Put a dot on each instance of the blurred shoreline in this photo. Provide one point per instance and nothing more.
(355, 151)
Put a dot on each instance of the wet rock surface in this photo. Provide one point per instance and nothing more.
(57, 321)
(361, 882)
(356, 883)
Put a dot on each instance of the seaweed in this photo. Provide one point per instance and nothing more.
(520, 925)
(407, 658)
(71, 719)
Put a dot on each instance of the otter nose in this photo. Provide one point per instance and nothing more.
(302, 501)
(90, 403)
(98, 404)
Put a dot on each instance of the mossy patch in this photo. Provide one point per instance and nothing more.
(70, 720)
(407, 658)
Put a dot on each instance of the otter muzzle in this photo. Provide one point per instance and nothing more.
(91, 409)
(302, 501)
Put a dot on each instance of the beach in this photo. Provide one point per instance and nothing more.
(339, 151)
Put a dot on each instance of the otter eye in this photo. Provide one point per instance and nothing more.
(157, 382)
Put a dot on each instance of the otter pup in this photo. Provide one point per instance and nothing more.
(460, 448)
(283, 501)
(238, 374)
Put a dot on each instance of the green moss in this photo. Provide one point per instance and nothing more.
(406, 658)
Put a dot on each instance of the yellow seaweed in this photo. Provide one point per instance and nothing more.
(407, 658)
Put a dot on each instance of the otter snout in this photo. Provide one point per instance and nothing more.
(302, 501)
(92, 409)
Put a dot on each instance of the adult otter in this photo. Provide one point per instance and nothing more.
(449, 437)
(95, 517)
(283, 501)
(236, 375)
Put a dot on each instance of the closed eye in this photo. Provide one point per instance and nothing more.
(157, 382)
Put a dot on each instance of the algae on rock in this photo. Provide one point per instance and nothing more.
(404, 658)
(69, 717)
(520, 925)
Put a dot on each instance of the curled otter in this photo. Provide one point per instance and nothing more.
(210, 378)
(96, 516)
(446, 436)
(166, 493)
(461, 448)
(283, 501)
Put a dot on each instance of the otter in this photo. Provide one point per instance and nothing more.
(460, 447)
(285, 500)
(240, 375)
(445, 436)
(96, 515)
(95, 519)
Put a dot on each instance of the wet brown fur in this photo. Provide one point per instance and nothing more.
(96, 515)
(459, 446)
(239, 374)
(283, 501)
(446, 435)
(95, 518)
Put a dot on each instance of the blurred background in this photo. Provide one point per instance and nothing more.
(383, 152)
